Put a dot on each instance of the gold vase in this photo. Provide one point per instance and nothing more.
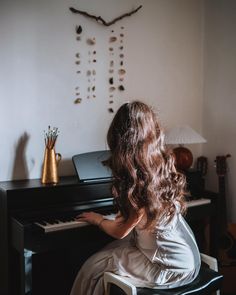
(50, 166)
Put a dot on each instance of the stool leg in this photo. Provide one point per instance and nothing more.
(121, 282)
(212, 263)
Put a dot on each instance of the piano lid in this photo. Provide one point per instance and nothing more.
(90, 168)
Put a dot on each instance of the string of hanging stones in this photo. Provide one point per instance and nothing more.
(116, 48)
(90, 72)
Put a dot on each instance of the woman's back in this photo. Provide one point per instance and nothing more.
(172, 245)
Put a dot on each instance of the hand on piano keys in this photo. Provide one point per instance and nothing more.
(90, 217)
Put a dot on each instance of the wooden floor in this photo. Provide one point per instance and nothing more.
(229, 282)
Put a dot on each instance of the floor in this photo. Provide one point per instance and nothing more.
(229, 283)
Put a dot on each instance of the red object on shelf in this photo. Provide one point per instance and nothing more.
(183, 158)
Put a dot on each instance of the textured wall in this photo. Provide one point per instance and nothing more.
(162, 57)
(219, 118)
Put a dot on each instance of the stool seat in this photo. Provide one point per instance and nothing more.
(208, 280)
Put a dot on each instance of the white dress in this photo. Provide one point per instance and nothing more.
(167, 257)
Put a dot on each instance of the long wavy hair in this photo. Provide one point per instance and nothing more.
(144, 173)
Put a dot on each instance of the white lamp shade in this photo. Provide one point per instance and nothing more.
(183, 135)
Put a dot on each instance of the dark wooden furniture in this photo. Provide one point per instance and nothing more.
(23, 202)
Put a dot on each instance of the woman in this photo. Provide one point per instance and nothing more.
(155, 247)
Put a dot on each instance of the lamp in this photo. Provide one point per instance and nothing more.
(183, 135)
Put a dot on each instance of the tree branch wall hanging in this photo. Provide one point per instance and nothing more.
(116, 71)
(101, 20)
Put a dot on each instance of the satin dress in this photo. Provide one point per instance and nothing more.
(166, 257)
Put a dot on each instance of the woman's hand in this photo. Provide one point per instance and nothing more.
(90, 217)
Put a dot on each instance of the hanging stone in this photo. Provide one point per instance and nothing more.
(112, 39)
(110, 110)
(121, 71)
(111, 71)
(121, 63)
(77, 62)
(78, 29)
(112, 89)
(78, 100)
(121, 35)
(77, 94)
(111, 81)
(94, 52)
(91, 41)
(94, 60)
(121, 55)
(77, 55)
(77, 87)
(121, 88)
(122, 28)
(111, 101)
(78, 38)
(111, 63)
(94, 95)
(93, 88)
(111, 49)
(78, 72)
(121, 47)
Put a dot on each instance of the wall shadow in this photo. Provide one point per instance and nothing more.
(20, 169)
(66, 167)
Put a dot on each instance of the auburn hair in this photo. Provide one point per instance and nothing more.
(143, 168)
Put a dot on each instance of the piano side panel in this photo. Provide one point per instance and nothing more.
(4, 250)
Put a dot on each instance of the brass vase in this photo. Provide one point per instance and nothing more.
(50, 166)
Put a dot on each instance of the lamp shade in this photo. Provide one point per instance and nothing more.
(181, 135)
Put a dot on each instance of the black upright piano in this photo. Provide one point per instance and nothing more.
(36, 261)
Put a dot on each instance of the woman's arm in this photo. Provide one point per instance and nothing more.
(117, 228)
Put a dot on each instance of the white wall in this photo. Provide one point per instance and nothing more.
(163, 58)
(219, 118)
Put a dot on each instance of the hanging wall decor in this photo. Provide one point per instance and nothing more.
(86, 66)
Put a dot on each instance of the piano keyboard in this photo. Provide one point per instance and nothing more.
(57, 225)
(198, 202)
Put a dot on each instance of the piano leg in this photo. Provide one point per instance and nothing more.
(26, 272)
